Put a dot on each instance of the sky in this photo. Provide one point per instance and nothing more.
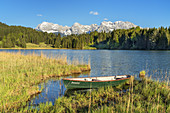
(30, 13)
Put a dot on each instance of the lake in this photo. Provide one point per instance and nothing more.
(104, 63)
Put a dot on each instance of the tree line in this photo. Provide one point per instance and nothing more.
(134, 38)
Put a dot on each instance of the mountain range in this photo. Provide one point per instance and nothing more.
(78, 28)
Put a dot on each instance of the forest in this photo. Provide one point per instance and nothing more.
(126, 39)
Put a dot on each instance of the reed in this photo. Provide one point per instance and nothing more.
(140, 97)
(20, 75)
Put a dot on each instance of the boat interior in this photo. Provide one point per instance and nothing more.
(106, 78)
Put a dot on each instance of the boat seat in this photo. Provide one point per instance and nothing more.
(96, 80)
(88, 79)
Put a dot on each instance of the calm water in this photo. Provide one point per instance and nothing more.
(106, 63)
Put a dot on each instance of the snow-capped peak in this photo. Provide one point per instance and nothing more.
(117, 22)
(77, 28)
(76, 24)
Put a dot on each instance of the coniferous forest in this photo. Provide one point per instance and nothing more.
(134, 38)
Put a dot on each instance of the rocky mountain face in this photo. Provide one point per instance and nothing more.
(77, 28)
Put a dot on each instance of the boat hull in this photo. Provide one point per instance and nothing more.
(69, 84)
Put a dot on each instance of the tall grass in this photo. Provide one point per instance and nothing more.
(20, 74)
(142, 96)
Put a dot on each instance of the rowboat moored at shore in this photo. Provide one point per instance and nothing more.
(95, 82)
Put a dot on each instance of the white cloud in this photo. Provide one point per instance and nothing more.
(39, 15)
(105, 19)
(93, 13)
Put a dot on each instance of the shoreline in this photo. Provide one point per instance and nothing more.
(77, 49)
(22, 74)
(45, 48)
(137, 97)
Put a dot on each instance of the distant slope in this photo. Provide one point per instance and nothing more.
(12, 36)
(133, 38)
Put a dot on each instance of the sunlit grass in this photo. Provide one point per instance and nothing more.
(141, 96)
(40, 45)
(88, 47)
(20, 74)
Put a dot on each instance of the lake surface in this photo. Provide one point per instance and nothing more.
(105, 63)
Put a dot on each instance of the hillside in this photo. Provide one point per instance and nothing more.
(133, 38)
(18, 36)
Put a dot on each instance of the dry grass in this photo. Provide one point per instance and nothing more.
(143, 96)
(20, 74)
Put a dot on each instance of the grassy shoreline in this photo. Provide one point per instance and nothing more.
(33, 48)
(20, 74)
(49, 48)
(42, 45)
(141, 96)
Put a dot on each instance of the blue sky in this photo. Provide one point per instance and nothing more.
(30, 13)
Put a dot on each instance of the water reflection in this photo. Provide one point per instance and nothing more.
(71, 92)
(53, 88)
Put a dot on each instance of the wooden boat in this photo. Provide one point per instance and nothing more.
(95, 82)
